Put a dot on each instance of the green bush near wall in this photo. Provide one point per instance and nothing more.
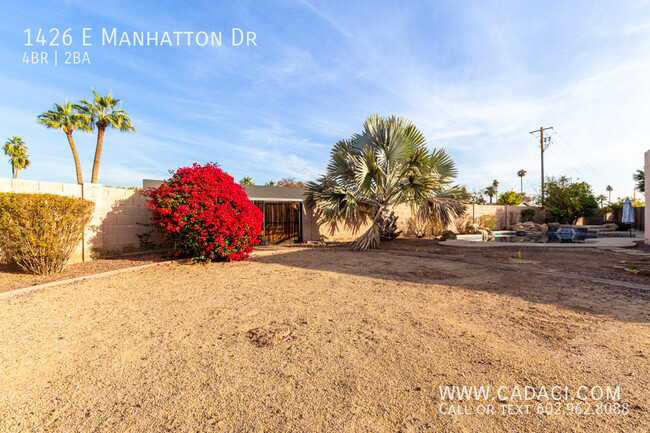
(39, 232)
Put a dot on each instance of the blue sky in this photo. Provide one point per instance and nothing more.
(475, 77)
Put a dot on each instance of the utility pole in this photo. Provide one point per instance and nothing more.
(543, 145)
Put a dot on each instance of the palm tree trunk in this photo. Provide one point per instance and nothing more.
(521, 178)
(76, 158)
(372, 237)
(13, 171)
(98, 152)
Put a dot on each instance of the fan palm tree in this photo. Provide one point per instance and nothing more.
(16, 150)
(609, 190)
(66, 118)
(103, 114)
(386, 165)
(521, 173)
(601, 198)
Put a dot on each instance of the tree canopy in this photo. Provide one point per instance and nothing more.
(568, 201)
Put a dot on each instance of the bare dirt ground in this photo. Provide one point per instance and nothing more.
(326, 339)
(12, 278)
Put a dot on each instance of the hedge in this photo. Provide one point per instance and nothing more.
(39, 232)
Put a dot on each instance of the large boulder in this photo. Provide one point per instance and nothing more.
(447, 234)
(554, 225)
(518, 228)
(529, 226)
(610, 226)
(473, 229)
(543, 228)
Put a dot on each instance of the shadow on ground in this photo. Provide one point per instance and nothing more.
(622, 304)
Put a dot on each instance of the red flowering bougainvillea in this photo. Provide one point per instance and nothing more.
(204, 215)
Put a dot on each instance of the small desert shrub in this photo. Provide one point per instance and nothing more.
(39, 232)
(419, 225)
(488, 221)
(464, 223)
(528, 215)
(204, 215)
(422, 226)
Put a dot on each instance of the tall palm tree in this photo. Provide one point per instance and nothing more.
(521, 173)
(601, 198)
(639, 179)
(16, 150)
(609, 190)
(246, 181)
(103, 114)
(490, 191)
(66, 118)
(386, 165)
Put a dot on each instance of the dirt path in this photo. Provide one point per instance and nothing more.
(318, 340)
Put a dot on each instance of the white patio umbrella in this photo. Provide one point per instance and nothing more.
(628, 214)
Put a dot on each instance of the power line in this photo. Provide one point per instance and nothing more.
(584, 163)
(583, 176)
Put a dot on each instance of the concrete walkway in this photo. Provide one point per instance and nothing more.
(604, 242)
(617, 244)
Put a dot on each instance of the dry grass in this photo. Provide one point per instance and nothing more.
(315, 340)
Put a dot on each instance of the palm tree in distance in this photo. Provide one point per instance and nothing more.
(16, 150)
(246, 181)
(490, 191)
(521, 173)
(103, 114)
(64, 117)
(609, 190)
(639, 180)
(601, 198)
(271, 183)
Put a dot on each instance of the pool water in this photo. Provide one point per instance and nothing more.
(561, 235)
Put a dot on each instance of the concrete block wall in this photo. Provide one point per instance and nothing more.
(117, 219)
(316, 228)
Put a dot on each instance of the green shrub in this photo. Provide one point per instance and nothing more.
(39, 232)
(569, 201)
(528, 215)
(488, 221)
(510, 198)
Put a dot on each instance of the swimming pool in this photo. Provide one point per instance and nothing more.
(561, 235)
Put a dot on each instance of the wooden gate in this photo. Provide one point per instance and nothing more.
(282, 221)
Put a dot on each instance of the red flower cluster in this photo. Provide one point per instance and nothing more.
(203, 214)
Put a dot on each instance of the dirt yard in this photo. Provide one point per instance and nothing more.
(12, 278)
(329, 340)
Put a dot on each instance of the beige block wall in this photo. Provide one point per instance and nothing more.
(117, 219)
(647, 197)
(316, 228)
